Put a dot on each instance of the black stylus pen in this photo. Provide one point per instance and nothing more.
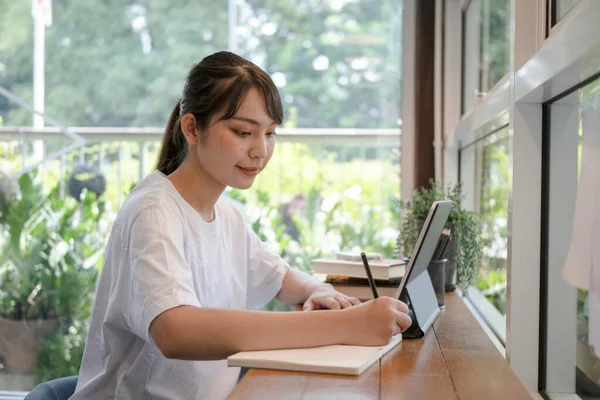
(369, 275)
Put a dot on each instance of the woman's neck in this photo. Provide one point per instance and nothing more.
(196, 187)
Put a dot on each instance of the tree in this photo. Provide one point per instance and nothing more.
(118, 63)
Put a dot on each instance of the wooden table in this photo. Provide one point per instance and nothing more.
(455, 360)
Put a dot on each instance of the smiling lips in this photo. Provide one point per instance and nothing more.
(249, 171)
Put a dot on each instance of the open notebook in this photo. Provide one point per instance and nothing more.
(337, 359)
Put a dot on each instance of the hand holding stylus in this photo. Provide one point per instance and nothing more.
(375, 322)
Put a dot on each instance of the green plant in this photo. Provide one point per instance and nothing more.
(465, 227)
(61, 353)
(493, 286)
(22, 276)
(50, 257)
(50, 254)
(493, 203)
(582, 304)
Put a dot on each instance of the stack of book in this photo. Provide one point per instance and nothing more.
(347, 274)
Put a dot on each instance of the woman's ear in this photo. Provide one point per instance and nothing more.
(188, 126)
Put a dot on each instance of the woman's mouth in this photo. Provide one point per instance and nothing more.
(249, 171)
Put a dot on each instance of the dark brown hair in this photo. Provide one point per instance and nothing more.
(217, 84)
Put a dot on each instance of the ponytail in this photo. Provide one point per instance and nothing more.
(173, 148)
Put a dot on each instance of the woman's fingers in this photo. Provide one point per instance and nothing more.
(353, 300)
(403, 321)
(343, 302)
(336, 301)
(402, 307)
(327, 302)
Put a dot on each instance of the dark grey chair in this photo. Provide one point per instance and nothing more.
(57, 389)
(63, 388)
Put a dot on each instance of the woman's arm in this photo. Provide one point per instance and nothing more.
(300, 288)
(210, 334)
(193, 333)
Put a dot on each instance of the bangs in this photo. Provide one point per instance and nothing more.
(234, 92)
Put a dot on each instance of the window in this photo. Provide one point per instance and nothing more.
(493, 210)
(567, 130)
(486, 39)
(484, 174)
(115, 71)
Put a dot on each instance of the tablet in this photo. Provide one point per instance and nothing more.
(426, 243)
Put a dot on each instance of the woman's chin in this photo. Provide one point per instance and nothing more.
(242, 185)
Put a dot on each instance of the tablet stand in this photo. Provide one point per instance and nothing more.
(423, 306)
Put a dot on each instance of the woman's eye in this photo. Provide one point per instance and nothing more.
(271, 133)
(241, 133)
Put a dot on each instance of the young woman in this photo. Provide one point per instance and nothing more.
(183, 272)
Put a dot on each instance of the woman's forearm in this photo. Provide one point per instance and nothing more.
(192, 333)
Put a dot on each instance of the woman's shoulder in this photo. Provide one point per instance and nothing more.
(152, 193)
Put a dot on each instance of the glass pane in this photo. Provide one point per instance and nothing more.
(567, 132)
(486, 47)
(117, 70)
(468, 162)
(484, 174)
(562, 7)
(16, 61)
(493, 210)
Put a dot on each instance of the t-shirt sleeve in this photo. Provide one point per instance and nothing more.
(266, 272)
(160, 277)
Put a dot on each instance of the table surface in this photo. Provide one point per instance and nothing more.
(455, 360)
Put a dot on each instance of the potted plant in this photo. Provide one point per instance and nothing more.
(26, 312)
(465, 250)
(47, 268)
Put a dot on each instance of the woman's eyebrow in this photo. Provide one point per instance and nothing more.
(250, 120)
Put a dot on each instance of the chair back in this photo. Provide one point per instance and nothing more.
(57, 389)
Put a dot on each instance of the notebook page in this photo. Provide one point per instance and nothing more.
(336, 359)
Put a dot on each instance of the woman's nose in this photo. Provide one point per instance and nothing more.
(259, 147)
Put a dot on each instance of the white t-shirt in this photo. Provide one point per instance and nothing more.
(160, 255)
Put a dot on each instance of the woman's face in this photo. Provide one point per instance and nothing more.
(234, 151)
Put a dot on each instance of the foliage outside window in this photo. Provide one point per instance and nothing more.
(336, 63)
(493, 210)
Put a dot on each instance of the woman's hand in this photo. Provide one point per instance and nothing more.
(375, 322)
(327, 298)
